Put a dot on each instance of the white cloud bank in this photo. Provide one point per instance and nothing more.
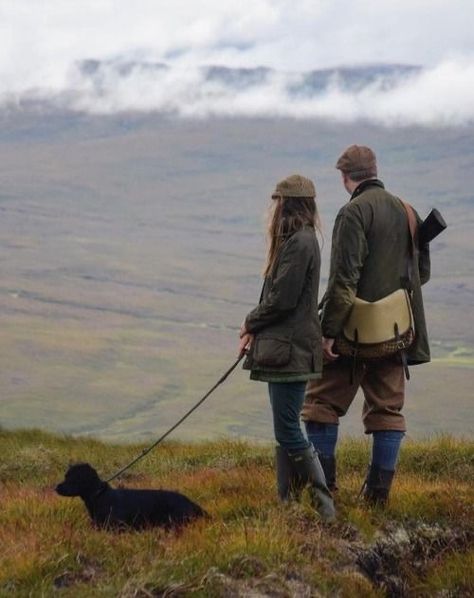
(42, 45)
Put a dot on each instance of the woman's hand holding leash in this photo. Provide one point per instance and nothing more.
(245, 343)
(246, 340)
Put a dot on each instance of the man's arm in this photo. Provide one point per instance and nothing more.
(424, 263)
(348, 253)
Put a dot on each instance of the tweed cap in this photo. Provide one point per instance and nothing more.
(294, 186)
(358, 159)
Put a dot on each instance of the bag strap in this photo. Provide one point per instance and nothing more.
(403, 355)
(412, 226)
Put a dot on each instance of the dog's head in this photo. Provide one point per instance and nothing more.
(81, 479)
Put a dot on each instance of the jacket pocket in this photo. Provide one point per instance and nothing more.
(271, 351)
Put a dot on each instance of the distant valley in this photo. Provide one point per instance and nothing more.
(132, 247)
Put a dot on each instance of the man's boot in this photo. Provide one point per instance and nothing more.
(290, 485)
(377, 486)
(306, 465)
(328, 463)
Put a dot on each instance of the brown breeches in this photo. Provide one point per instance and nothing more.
(382, 382)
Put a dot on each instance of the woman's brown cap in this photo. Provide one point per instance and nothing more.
(294, 186)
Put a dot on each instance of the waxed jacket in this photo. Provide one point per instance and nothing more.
(370, 245)
(286, 322)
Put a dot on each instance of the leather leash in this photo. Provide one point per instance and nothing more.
(187, 414)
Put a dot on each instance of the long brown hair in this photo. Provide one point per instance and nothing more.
(287, 216)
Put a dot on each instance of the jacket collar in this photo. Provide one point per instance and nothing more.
(365, 185)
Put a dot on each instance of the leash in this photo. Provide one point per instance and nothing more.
(187, 414)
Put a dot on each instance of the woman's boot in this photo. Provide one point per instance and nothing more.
(289, 484)
(328, 463)
(306, 465)
(324, 439)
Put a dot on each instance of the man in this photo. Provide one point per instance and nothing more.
(370, 258)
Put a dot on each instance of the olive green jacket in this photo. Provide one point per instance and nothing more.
(370, 244)
(286, 325)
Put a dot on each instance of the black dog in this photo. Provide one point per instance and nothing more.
(122, 507)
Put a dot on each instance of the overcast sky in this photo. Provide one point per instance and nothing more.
(40, 41)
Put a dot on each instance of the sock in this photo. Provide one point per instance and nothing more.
(323, 437)
(385, 448)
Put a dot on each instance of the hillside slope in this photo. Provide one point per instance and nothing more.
(252, 546)
(132, 249)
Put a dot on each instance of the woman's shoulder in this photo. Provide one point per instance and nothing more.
(301, 243)
(304, 236)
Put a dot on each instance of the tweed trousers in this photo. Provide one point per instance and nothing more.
(383, 385)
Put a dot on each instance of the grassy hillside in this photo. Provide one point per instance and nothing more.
(421, 546)
(132, 249)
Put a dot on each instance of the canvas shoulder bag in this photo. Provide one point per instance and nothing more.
(378, 329)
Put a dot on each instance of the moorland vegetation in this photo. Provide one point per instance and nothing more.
(422, 545)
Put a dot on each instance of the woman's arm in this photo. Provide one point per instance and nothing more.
(286, 287)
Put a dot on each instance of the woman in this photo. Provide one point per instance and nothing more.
(282, 336)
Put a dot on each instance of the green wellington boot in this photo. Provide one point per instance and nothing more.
(306, 465)
(328, 463)
(290, 485)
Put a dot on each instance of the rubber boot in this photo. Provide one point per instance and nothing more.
(306, 465)
(289, 484)
(377, 486)
(328, 463)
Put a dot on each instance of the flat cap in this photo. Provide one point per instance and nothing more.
(358, 159)
(294, 186)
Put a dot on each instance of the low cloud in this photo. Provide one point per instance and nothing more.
(384, 94)
(43, 47)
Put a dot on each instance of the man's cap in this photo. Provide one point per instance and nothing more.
(358, 159)
(294, 186)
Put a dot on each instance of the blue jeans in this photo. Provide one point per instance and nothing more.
(286, 399)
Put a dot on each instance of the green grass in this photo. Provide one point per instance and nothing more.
(251, 544)
(462, 355)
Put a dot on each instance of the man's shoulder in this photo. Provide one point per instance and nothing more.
(371, 200)
(373, 193)
(352, 208)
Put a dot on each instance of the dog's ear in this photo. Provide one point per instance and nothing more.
(71, 465)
